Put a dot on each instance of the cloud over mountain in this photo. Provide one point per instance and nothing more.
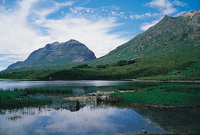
(29, 25)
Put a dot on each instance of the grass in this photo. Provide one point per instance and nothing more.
(172, 95)
(19, 99)
(51, 91)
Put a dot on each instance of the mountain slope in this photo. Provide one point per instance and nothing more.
(171, 34)
(55, 55)
(167, 51)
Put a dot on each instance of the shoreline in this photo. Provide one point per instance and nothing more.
(183, 81)
(138, 105)
(138, 80)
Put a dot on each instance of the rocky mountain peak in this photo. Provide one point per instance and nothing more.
(72, 41)
(56, 55)
(55, 43)
(191, 13)
(52, 45)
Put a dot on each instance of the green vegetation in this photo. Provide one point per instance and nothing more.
(19, 99)
(102, 66)
(170, 95)
(124, 62)
(34, 74)
(50, 91)
(83, 66)
(180, 65)
(175, 66)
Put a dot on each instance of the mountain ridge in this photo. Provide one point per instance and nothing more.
(168, 35)
(55, 55)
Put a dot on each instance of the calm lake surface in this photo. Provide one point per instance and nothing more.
(64, 117)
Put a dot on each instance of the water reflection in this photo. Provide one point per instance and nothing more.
(63, 117)
(184, 120)
(58, 103)
(91, 119)
(11, 84)
(78, 87)
(72, 106)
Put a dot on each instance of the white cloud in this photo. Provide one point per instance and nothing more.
(179, 3)
(92, 33)
(136, 16)
(19, 35)
(6, 60)
(10, 58)
(163, 5)
(110, 7)
(2, 68)
(131, 17)
(179, 14)
(145, 26)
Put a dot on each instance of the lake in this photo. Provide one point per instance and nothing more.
(64, 117)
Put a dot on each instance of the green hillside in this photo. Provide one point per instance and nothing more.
(174, 66)
(171, 34)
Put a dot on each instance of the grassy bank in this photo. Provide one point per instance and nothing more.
(162, 96)
(21, 97)
(49, 91)
(16, 99)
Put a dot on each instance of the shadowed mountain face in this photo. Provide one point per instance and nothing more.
(171, 34)
(55, 55)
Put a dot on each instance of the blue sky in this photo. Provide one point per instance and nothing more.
(102, 25)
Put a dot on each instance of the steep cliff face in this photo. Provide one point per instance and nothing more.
(55, 55)
(169, 35)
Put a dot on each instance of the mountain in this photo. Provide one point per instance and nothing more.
(170, 35)
(170, 50)
(55, 55)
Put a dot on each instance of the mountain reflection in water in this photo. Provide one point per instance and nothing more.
(90, 118)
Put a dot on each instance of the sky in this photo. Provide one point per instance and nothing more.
(102, 25)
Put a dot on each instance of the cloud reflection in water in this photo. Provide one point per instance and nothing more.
(90, 119)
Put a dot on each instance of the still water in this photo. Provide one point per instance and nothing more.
(64, 117)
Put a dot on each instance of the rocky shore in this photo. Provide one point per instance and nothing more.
(94, 97)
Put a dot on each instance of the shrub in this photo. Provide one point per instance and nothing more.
(102, 66)
(124, 62)
(83, 66)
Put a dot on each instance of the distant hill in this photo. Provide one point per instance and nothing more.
(55, 55)
(171, 34)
